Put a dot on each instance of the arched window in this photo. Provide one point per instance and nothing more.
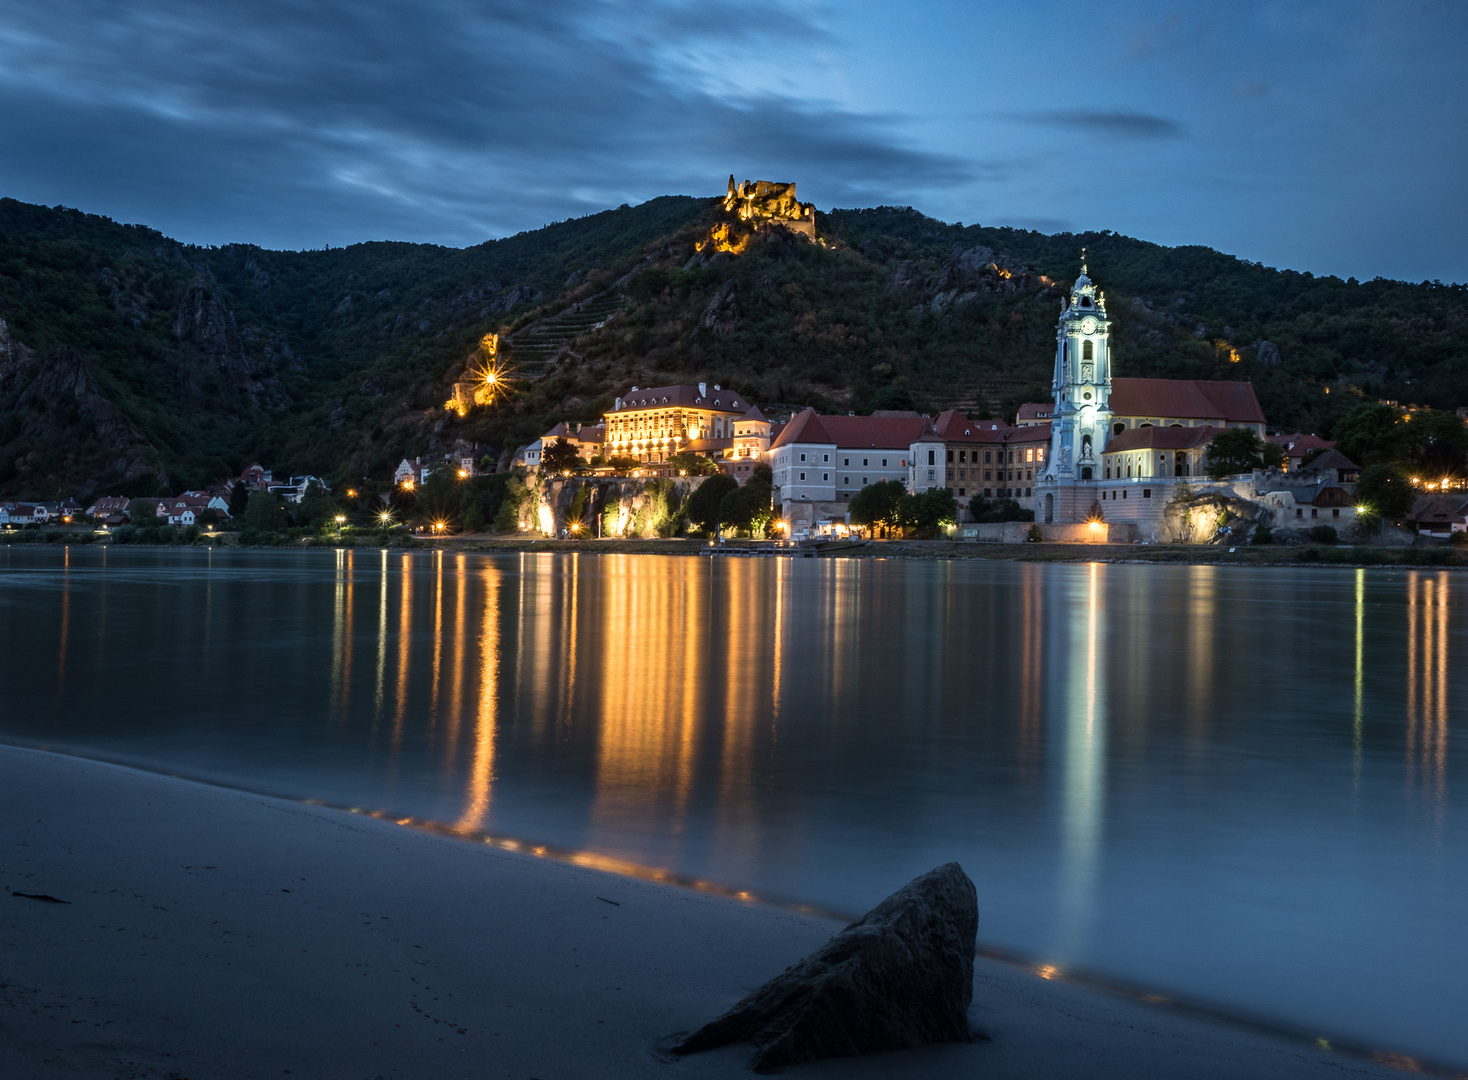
(1117, 429)
(1088, 350)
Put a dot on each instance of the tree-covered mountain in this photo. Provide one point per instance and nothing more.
(129, 361)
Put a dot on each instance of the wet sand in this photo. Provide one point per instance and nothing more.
(213, 933)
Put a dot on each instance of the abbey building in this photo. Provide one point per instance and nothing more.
(1119, 446)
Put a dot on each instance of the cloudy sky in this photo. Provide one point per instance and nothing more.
(1324, 135)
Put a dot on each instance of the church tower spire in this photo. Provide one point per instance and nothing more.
(1082, 389)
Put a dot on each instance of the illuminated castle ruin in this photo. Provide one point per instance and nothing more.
(759, 205)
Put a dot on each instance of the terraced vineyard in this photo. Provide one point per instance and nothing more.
(533, 350)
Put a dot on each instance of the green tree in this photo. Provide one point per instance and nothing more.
(1384, 493)
(143, 512)
(748, 508)
(239, 498)
(1368, 433)
(695, 465)
(507, 516)
(264, 512)
(878, 504)
(316, 507)
(439, 497)
(703, 505)
(559, 457)
(1432, 444)
(929, 511)
(1236, 450)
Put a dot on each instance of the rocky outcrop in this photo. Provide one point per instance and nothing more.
(57, 418)
(899, 977)
(722, 313)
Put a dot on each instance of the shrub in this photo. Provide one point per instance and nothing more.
(1035, 535)
(1322, 534)
(1263, 534)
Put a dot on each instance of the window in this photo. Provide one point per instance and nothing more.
(930, 472)
(961, 491)
(963, 474)
(1314, 512)
(825, 457)
(1299, 512)
(1040, 454)
(1336, 512)
(988, 474)
(1030, 454)
(1146, 493)
(1027, 493)
(950, 455)
(962, 456)
(863, 481)
(884, 462)
(950, 474)
(1086, 473)
(802, 476)
(1107, 472)
(802, 458)
(1088, 350)
(988, 456)
(864, 463)
(847, 481)
(930, 462)
(825, 477)
(1123, 493)
(846, 462)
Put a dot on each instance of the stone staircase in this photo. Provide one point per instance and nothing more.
(533, 351)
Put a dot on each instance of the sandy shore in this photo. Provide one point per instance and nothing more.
(215, 934)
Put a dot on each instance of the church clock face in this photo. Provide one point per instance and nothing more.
(1088, 325)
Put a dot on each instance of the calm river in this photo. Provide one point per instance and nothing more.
(1241, 786)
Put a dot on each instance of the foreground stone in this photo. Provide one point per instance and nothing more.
(900, 976)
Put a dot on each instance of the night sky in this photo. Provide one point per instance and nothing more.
(1323, 136)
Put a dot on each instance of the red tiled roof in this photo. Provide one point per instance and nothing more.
(681, 397)
(853, 432)
(1160, 438)
(1298, 445)
(803, 427)
(755, 415)
(1036, 410)
(1186, 399)
(1331, 459)
(874, 432)
(953, 426)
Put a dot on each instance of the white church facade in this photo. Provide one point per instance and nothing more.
(1121, 446)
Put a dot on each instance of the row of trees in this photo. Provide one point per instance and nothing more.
(888, 505)
(720, 503)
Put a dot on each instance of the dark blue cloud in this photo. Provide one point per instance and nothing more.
(297, 124)
(1134, 125)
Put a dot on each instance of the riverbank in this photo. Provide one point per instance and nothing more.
(1188, 554)
(206, 932)
(1438, 556)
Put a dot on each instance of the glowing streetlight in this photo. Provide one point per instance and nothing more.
(385, 518)
(351, 493)
(439, 526)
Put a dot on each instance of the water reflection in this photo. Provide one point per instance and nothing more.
(1427, 685)
(1084, 770)
(1119, 754)
(481, 775)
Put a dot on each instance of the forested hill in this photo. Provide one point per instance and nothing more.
(129, 361)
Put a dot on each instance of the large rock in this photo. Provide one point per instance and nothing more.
(900, 976)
